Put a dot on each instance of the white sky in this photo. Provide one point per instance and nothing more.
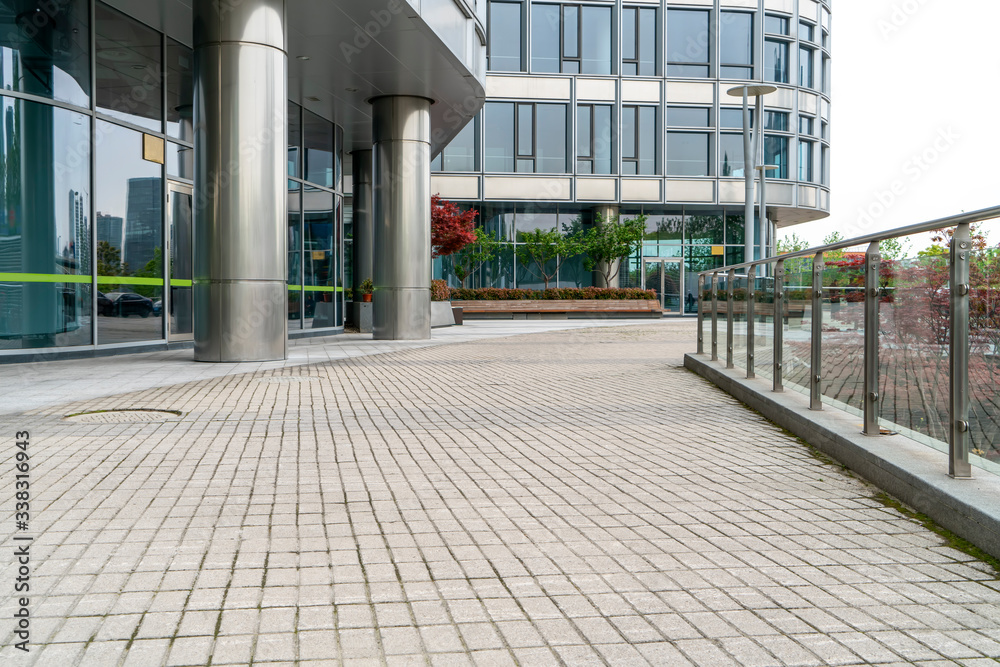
(912, 78)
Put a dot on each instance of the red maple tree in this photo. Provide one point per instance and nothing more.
(451, 228)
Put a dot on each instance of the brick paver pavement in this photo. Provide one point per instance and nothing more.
(566, 498)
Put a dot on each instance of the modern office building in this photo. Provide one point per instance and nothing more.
(621, 107)
(215, 138)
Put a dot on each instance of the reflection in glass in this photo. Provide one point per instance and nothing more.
(294, 140)
(705, 228)
(461, 153)
(180, 91)
(180, 161)
(45, 52)
(505, 36)
(318, 142)
(545, 28)
(776, 153)
(731, 155)
(551, 139)
(129, 79)
(294, 256)
(45, 226)
(499, 134)
(688, 43)
(736, 44)
(775, 61)
(595, 44)
(688, 154)
(129, 237)
(319, 259)
(181, 269)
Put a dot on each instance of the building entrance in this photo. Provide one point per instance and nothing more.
(665, 276)
(179, 274)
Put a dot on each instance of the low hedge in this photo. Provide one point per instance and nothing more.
(552, 294)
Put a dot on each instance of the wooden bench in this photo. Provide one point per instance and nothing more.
(563, 309)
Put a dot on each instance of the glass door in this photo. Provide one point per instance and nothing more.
(180, 292)
(665, 277)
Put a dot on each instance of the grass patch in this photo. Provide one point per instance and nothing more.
(951, 539)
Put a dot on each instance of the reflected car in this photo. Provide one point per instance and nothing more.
(105, 306)
(124, 304)
(158, 307)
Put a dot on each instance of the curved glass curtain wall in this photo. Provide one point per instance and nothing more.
(86, 253)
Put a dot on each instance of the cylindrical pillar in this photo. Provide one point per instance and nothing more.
(241, 131)
(401, 198)
(362, 222)
(607, 213)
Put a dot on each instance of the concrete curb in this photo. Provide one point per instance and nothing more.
(908, 470)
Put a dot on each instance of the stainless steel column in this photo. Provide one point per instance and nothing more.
(958, 436)
(240, 114)
(816, 350)
(608, 212)
(402, 211)
(873, 262)
(362, 218)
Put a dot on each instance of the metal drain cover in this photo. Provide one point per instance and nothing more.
(123, 416)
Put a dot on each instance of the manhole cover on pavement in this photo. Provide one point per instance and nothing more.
(123, 416)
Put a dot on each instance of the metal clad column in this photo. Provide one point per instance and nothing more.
(241, 93)
(362, 219)
(958, 440)
(873, 261)
(402, 214)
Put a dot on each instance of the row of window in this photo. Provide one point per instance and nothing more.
(578, 39)
(533, 137)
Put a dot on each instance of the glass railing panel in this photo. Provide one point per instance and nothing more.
(763, 311)
(984, 357)
(797, 324)
(842, 375)
(914, 316)
(740, 321)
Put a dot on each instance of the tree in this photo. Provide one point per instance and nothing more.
(798, 266)
(831, 238)
(539, 247)
(483, 249)
(893, 249)
(451, 227)
(609, 241)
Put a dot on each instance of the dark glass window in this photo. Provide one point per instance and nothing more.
(294, 256)
(806, 160)
(776, 120)
(462, 153)
(733, 118)
(180, 91)
(705, 228)
(776, 25)
(294, 140)
(505, 36)
(320, 265)
(807, 32)
(594, 139)
(129, 218)
(551, 139)
(319, 148)
(775, 61)
(688, 43)
(824, 165)
(731, 155)
(806, 124)
(689, 154)
(688, 117)
(499, 134)
(639, 41)
(639, 140)
(805, 67)
(180, 161)
(45, 231)
(736, 44)
(129, 79)
(45, 51)
(570, 39)
(776, 153)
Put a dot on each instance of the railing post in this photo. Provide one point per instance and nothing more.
(751, 299)
(715, 317)
(873, 262)
(701, 313)
(730, 316)
(779, 324)
(958, 441)
(816, 368)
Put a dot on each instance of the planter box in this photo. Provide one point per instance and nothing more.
(442, 314)
(567, 309)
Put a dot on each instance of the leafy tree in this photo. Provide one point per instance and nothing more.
(484, 248)
(451, 227)
(893, 249)
(799, 267)
(539, 247)
(791, 243)
(608, 241)
(109, 260)
(831, 238)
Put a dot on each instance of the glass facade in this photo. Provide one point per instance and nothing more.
(103, 256)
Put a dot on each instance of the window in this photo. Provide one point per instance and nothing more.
(824, 165)
(807, 32)
(180, 91)
(638, 139)
(775, 60)
(504, 37)
(805, 160)
(639, 41)
(571, 39)
(736, 45)
(776, 153)
(806, 124)
(773, 120)
(825, 73)
(462, 153)
(776, 25)
(319, 143)
(594, 138)
(688, 43)
(805, 67)
(129, 78)
(731, 155)
(525, 138)
(688, 117)
(689, 153)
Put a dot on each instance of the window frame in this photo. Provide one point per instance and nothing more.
(592, 160)
(639, 158)
(637, 39)
(520, 38)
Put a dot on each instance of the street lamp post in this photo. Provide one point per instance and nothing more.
(747, 91)
(762, 216)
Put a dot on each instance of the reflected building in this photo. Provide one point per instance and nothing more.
(143, 222)
(604, 109)
(109, 230)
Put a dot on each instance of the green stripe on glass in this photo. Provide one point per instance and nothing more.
(43, 278)
(128, 280)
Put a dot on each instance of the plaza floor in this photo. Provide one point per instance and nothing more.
(508, 494)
